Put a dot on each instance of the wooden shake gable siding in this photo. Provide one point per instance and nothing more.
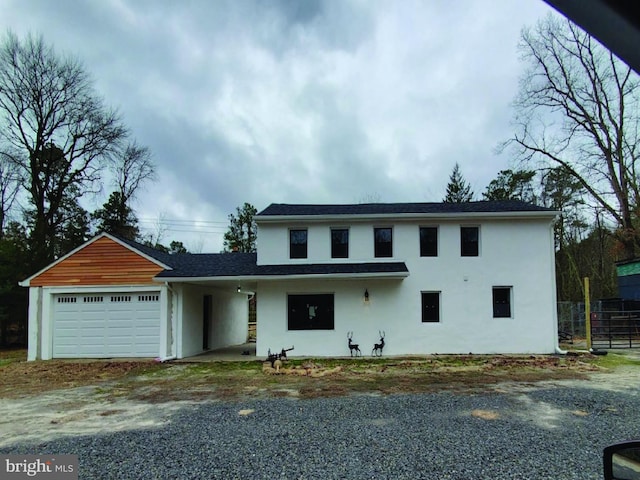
(102, 262)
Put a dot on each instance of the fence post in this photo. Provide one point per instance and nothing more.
(587, 312)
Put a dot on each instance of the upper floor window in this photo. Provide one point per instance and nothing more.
(339, 243)
(297, 244)
(428, 241)
(469, 241)
(502, 302)
(383, 244)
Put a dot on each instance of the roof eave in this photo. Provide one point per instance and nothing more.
(511, 215)
(275, 277)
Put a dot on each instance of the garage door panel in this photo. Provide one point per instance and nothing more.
(106, 325)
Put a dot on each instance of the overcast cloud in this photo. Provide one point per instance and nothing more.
(295, 101)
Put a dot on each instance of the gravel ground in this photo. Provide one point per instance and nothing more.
(525, 432)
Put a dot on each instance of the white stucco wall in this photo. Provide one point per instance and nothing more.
(229, 318)
(517, 253)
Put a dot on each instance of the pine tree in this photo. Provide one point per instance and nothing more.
(458, 190)
(117, 217)
(241, 236)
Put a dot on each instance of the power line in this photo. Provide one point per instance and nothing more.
(178, 221)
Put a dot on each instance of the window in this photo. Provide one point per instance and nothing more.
(469, 241)
(67, 299)
(148, 298)
(310, 312)
(297, 244)
(501, 302)
(428, 241)
(92, 299)
(383, 245)
(121, 298)
(339, 243)
(430, 307)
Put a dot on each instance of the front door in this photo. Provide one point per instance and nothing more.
(206, 321)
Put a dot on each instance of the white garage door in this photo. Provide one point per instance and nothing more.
(105, 325)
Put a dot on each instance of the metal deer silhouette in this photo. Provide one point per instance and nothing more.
(354, 348)
(377, 347)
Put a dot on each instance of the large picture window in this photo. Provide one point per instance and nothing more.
(339, 243)
(310, 311)
(383, 242)
(297, 244)
(428, 241)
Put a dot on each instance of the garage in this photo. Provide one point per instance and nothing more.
(104, 325)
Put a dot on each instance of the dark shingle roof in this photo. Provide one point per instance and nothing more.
(244, 264)
(283, 209)
(211, 265)
(332, 268)
(154, 253)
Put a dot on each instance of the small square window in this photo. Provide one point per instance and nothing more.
(339, 243)
(428, 241)
(383, 242)
(430, 307)
(502, 302)
(469, 241)
(297, 244)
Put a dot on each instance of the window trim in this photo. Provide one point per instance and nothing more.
(462, 252)
(331, 230)
(375, 252)
(422, 305)
(494, 288)
(437, 244)
(306, 244)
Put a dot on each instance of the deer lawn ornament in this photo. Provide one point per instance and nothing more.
(377, 347)
(353, 347)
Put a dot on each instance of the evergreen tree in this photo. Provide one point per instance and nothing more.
(117, 217)
(510, 185)
(458, 190)
(242, 233)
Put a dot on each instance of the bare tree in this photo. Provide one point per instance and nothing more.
(9, 188)
(51, 114)
(131, 167)
(578, 108)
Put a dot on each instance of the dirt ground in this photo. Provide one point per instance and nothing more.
(46, 400)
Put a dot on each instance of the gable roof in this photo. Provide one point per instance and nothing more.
(366, 209)
(150, 254)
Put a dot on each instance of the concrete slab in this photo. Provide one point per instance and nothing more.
(245, 352)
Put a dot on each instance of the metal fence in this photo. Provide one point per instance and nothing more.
(571, 319)
(615, 323)
(615, 329)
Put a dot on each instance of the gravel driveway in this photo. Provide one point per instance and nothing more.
(512, 431)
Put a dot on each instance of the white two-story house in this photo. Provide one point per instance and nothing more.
(473, 277)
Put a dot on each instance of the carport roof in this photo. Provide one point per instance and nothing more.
(201, 266)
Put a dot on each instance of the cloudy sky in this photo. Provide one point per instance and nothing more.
(295, 101)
